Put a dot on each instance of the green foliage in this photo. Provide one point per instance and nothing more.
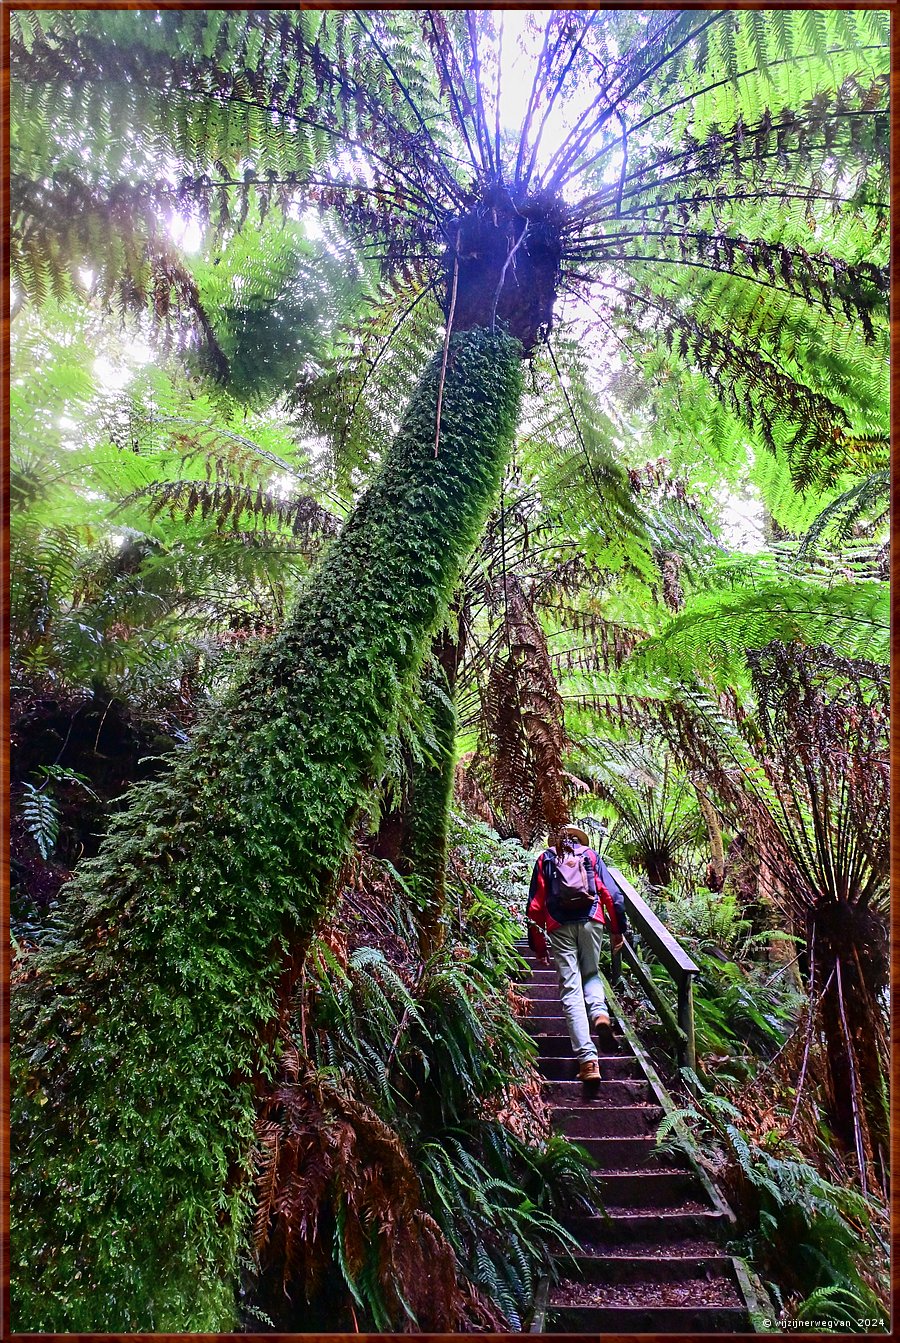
(841, 1306)
(430, 793)
(276, 302)
(502, 1237)
(862, 507)
(432, 1048)
(41, 816)
(154, 528)
(656, 808)
(501, 871)
(798, 1227)
(738, 1010)
(240, 854)
(742, 1011)
(709, 639)
(40, 808)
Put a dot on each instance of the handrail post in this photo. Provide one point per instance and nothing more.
(674, 959)
(687, 1050)
(615, 964)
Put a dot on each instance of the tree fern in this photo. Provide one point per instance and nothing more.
(462, 237)
(710, 637)
(694, 96)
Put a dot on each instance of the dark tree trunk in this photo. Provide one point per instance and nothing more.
(715, 873)
(658, 867)
(851, 957)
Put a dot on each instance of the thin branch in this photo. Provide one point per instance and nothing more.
(509, 260)
(532, 102)
(624, 171)
(497, 97)
(723, 148)
(481, 127)
(449, 180)
(589, 23)
(750, 277)
(742, 74)
(781, 195)
(562, 175)
(407, 311)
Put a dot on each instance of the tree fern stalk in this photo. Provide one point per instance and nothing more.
(145, 1032)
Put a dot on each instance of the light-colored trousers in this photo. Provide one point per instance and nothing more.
(575, 951)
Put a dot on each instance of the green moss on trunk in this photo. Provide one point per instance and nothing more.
(431, 791)
(141, 1035)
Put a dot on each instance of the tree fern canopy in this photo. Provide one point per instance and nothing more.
(406, 403)
(711, 187)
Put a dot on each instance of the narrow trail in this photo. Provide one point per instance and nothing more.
(654, 1263)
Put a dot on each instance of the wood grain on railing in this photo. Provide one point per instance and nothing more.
(679, 1022)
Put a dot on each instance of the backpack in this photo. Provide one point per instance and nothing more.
(571, 885)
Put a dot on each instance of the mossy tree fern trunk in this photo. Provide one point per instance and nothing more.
(431, 792)
(142, 1033)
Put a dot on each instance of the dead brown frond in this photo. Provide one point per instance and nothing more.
(467, 791)
(330, 1172)
(523, 736)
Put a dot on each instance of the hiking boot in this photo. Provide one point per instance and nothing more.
(589, 1071)
(603, 1031)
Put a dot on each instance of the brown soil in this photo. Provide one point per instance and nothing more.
(643, 1249)
(695, 1292)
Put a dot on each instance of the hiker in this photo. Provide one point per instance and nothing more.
(571, 891)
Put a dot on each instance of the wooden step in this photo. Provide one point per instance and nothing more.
(631, 1294)
(649, 1188)
(549, 1019)
(631, 1319)
(637, 1268)
(572, 1092)
(612, 1067)
(546, 991)
(616, 1153)
(705, 1284)
(685, 1247)
(662, 1226)
(558, 1042)
(607, 1121)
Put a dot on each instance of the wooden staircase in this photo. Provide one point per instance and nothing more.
(653, 1264)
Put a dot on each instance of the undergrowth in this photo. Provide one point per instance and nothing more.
(406, 1173)
(743, 1010)
(821, 1247)
(147, 1020)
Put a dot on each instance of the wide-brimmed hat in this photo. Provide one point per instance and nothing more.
(576, 832)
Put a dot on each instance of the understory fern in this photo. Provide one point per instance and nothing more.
(425, 1063)
(800, 1230)
(177, 933)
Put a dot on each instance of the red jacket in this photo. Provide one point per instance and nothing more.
(540, 918)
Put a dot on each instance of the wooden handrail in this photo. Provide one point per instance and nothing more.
(679, 1022)
(654, 932)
